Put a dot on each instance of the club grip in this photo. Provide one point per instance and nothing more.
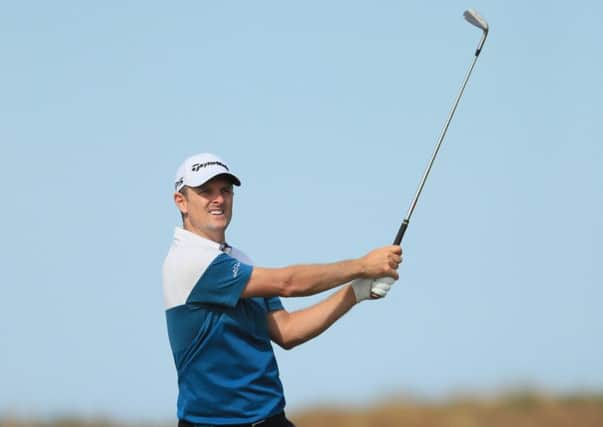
(401, 232)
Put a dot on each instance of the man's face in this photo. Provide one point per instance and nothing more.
(208, 208)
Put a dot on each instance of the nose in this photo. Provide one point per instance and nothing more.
(218, 198)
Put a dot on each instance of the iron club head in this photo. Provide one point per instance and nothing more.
(473, 17)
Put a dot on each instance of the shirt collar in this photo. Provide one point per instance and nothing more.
(192, 239)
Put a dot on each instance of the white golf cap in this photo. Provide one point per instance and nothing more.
(200, 168)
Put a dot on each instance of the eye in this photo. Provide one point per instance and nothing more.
(227, 190)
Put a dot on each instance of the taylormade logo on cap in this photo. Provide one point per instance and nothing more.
(200, 168)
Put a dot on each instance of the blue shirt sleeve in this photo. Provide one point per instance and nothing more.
(273, 304)
(222, 282)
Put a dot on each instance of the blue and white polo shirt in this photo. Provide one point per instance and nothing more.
(227, 372)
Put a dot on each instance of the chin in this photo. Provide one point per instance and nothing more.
(218, 226)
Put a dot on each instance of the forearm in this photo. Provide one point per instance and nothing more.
(304, 280)
(303, 325)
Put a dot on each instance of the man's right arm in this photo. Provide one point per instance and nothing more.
(310, 279)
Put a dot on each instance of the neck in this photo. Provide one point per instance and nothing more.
(215, 236)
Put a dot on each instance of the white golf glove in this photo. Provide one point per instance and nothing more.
(363, 288)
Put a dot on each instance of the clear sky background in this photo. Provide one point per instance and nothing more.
(329, 112)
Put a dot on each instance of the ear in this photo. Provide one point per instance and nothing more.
(181, 202)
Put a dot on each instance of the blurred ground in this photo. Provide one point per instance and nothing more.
(513, 410)
(519, 409)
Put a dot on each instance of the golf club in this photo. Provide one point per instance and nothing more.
(473, 18)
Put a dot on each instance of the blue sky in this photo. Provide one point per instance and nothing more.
(328, 111)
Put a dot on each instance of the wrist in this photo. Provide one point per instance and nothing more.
(360, 268)
(350, 295)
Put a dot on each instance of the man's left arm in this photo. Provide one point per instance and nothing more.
(291, 329)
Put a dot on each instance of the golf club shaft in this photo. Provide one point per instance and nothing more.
(413, 204)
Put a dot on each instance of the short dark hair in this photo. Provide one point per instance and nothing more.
(184, 191)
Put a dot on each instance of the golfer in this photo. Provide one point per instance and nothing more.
(223, 312)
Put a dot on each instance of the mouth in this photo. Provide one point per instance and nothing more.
(216, 212)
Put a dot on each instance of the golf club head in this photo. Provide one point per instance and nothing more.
(474, 19)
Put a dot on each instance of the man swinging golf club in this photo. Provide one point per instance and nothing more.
(223, 312)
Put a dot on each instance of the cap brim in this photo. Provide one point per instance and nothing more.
(200, 181)
(230, 176)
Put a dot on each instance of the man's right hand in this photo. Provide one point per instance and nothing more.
(382, 262)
